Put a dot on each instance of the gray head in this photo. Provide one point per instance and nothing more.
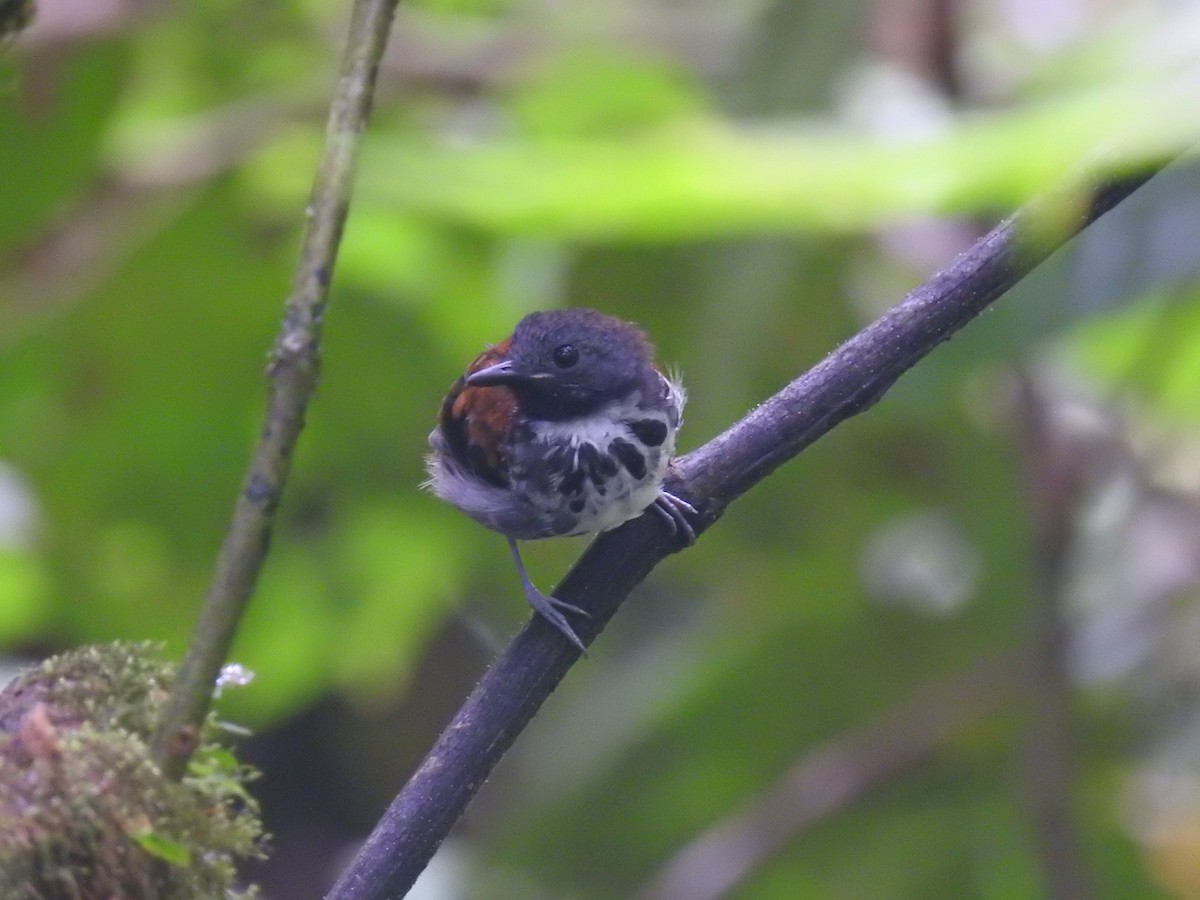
(565, 363)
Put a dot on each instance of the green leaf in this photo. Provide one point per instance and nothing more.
(164, 848)
(704, 177)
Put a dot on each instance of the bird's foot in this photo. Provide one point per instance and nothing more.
(551, 609)
(676, 513)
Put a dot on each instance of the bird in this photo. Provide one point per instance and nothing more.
(564, 428)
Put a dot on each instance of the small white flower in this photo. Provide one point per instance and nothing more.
(232, 675)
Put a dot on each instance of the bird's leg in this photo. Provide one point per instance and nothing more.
(674, 512)
(549, 608)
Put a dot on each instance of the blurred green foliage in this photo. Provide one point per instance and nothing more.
(715, 173)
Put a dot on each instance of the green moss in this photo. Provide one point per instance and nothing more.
(84, 812)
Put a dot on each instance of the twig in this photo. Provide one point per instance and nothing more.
(829, 778)
(846, 382)
(1059, 470)
(292, 371)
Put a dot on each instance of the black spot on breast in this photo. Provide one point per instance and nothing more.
(599, 467)
(650, 432)
(589, 461)
(629, 456)
(557, 457)
(576, 506)
(572, 482)
(560, 467)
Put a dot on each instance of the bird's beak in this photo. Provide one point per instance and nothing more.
(500, 373)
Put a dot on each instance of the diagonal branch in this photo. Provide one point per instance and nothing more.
(847, 382)
(293, 377)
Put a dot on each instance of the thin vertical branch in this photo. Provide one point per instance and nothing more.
(292, 373)
(1057, 472)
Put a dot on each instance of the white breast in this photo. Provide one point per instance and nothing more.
(628, 492)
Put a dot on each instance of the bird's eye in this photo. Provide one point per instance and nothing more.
(566, 356)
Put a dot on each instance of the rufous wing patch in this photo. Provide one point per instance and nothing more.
(475, 420)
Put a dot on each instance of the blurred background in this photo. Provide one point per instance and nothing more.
(953, 650)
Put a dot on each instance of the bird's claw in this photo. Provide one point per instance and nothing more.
(675, 512)
(551, 609)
